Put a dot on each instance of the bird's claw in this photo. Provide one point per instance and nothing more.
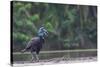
(22, 51)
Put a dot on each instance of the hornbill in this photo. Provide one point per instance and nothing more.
(35, 44)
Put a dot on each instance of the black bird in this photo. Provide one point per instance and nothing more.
(35, 44)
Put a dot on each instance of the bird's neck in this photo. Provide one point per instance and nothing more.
(41, 39)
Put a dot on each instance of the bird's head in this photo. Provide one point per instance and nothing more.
(42, 32)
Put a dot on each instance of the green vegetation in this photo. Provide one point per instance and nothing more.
(69, 26)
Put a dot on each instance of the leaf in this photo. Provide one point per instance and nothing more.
(35, 17)
(28, 6)
(49, 26)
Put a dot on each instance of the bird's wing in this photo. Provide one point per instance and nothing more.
(33, 41)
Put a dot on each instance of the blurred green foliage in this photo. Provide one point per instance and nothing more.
(69, 26)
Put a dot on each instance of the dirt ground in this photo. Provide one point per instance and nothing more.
(62, 60)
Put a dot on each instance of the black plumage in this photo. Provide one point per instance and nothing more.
(35, 44)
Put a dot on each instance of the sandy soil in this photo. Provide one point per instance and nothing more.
(62, 60)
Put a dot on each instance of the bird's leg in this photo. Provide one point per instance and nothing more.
(37, 58)
(34, 57)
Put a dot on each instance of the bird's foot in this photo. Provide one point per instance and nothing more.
(22, 51)
(35, 61)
